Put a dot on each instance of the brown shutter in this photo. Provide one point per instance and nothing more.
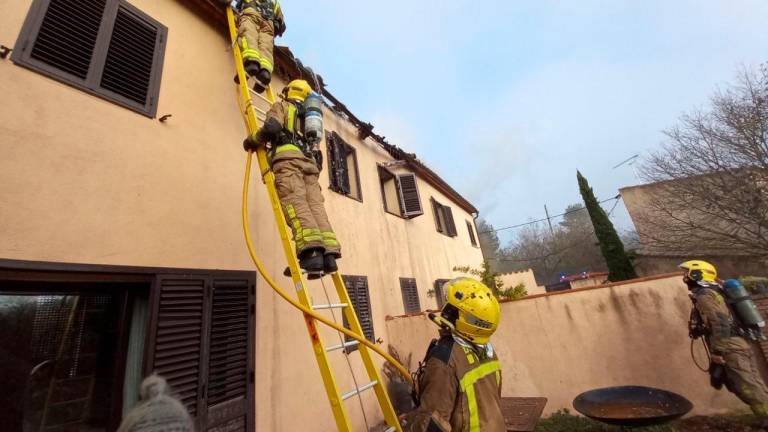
(128, 68)
(409, 195)
(440, 293)
(357, 287)
(436, 211)
(450, 225)
(411, 302)
(179, 337)
(68, 34)
(471, 233)
(230, 359)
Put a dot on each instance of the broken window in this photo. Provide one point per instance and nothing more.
(400, 193)
(342, 167)
(108, 48)
(443, 219)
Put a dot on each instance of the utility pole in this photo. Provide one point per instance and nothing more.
(551, 231)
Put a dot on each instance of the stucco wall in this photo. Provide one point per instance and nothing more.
(85, 181)
(511, 279)
(559, 345)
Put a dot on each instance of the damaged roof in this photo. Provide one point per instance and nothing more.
(290, 67)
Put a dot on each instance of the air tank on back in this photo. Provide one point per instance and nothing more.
(313, 118)
(743, 307)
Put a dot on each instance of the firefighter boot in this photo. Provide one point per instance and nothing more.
(311, 260)
(329, 263)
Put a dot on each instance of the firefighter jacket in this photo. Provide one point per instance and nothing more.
(289, 142)
(459, 389)
(719, 327)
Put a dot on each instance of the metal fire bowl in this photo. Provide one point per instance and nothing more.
(632, 405)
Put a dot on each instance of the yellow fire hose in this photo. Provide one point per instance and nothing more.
(260, 266)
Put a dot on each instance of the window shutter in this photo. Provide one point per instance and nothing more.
(409, 195)
(471, 233)
(450, 225)
(357, 287)
(179, 336)
(440, 294)
(436, 211)
(130, 58)
(68, 35)
(230, 345)
(411, 302)
(338, 172)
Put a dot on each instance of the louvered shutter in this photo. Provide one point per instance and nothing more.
(471, 232)
(357, 287)
(409, 195)
(67, 36)
(130, 57)
(411, 302)
(106, 47)
(229, 359)
(179, 338)
(450, 225)
(437, 211)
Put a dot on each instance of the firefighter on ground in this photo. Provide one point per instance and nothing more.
(458, 385)
(296, 163)
(258, 22)
(732, 361)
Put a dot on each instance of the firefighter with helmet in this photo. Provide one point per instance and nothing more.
(458, 385)
(296, 164)
(732, 361)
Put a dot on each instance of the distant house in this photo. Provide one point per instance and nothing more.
(525, 277)
(578, 280)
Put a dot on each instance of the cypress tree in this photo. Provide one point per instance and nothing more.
(619, 266)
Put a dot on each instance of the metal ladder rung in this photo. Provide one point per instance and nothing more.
(329, 306)
(391, 429)
(340, 346)
(259, 95)
(358, 390)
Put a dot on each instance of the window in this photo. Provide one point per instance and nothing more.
(108, 48)
(400, 193)
(471, 232)
(357, 288)
(443, 219)
(440, 294)
(343, 172)
(411, 302)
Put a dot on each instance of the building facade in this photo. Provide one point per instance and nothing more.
(121, 246)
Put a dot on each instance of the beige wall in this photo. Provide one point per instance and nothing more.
(511, 279)
(83, 180)
(559, 345)
(591, 281)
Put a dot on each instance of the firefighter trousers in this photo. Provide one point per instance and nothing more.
(303, 204)
(256, 38)
(744, 380)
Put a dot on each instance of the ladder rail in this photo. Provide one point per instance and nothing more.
(341, 417)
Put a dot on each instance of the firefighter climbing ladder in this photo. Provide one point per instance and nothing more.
(311, 317)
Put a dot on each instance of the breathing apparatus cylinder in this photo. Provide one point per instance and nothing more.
(743, 307)
(313, 118)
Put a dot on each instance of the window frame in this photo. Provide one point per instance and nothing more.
(381, 169)
(91, 84)
(440, 296)
(472, 233)
(334, 139)
(443, 214)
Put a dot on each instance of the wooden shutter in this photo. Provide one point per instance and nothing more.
(450, 225)
(471, 234)
(411, 302)
(130, 57)
(229, 362)
(440, 293)
(437, 212)
(108, 48)
(338, 170)
(68, 34)
(179, 338)
(409, 195)
(357, 287)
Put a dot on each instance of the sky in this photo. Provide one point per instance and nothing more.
(507, 99)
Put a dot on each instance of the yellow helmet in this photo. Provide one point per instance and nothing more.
(699, 271)
(471, 309)
(297, 90)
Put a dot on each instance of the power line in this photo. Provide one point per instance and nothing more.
(617, 198)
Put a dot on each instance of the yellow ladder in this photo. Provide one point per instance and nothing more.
(334, 396)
